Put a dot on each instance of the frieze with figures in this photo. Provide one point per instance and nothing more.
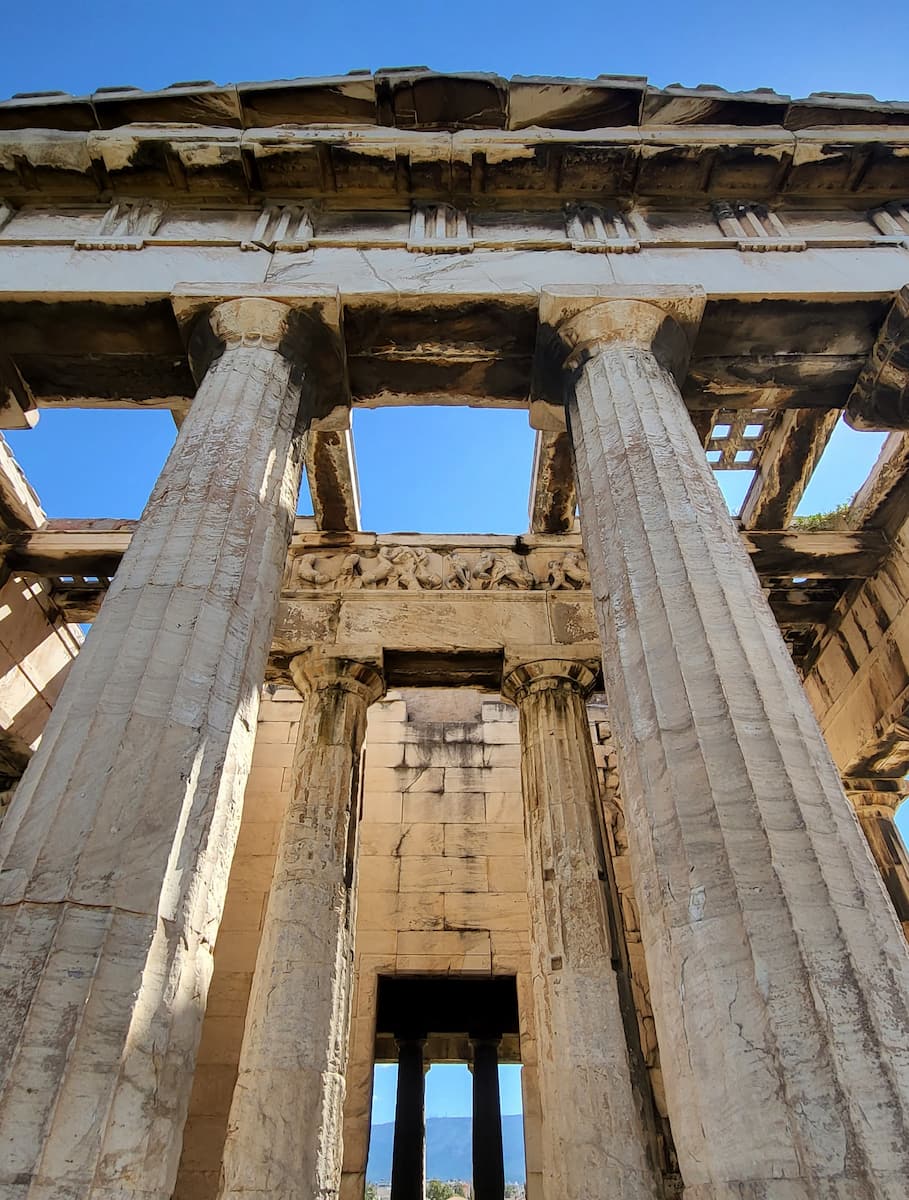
(413, 568)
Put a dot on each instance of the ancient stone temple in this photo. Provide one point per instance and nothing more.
(611, 797)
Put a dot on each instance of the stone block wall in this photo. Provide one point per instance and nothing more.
(441, 891)
(442, 887)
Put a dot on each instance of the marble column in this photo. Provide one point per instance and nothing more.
(875, 802)
(488, 1151)
(593, 1130)
(115, 854)
(779, 976)
(408, 1156)
(284, 1131)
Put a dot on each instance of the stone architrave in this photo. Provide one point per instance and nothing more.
(284, 1131)
(115, 855)
(593, 1130)
(779, 978)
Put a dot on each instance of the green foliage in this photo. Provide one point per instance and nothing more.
(825, 520)
(372, 1192)
(437, 1190)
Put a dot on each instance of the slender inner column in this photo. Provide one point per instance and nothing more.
(408, 1155)
(115, 854)
(779, 977)
(488, 1154)
(875, 802)
(593, 1133)
(284, 1132)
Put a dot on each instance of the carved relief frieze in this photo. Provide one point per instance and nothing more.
(754, 227)
(421, 568)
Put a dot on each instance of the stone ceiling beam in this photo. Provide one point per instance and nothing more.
(553, 497)
(19, 506)
(17, 404)
(787, 462)
(880, 398)
(77, 547)
(331, 471)
(882, 502)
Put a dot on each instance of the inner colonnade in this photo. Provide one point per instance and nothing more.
(693, 895)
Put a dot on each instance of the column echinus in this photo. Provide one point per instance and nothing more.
(594, 1140)
(779, 976)
(115, 854)
(284, 1130)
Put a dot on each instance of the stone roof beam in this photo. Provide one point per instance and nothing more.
(880, 398)
(787, 462)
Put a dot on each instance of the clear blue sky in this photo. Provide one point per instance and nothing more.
(435, 469)
(448, 1091)
(795, 47)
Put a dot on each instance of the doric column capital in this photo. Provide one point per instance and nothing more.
(302, 326)
(548, 675)
(882, 795)
(485, 1041)
(250, 321)
(245, 321)
(575, 322)
(317, 669)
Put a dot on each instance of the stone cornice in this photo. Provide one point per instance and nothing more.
(418, 98)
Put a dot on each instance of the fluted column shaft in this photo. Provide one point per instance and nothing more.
(594, 1143)
(488, 1151)
(875, 802)
(779, 980)
(408, 1156)
(284, 1131)
(115, 854)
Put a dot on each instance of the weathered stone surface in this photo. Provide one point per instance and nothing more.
(295, 1043)
(593, 1133)
(875, 802)
(859, 684)
(115, 853)
(880, 398)
(779, 992)
(439, 207)
(441, 879)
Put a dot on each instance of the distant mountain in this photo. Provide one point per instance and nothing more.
(448, 1149)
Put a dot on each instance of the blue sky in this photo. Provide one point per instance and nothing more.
(795, 47)
(448, 1091)
(464, 470)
